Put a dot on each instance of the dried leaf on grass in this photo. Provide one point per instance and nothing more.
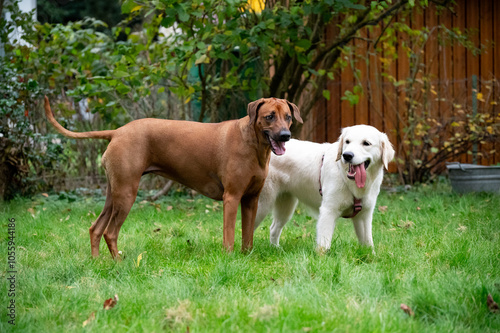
(382, 209)
(407, 310)
(110, 303)
(492, 305)
(89, 319)
(139, 258)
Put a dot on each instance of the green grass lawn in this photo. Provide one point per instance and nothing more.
(437, 252)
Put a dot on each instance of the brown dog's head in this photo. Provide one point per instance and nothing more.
(272, 119)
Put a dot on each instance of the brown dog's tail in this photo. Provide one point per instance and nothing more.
(107, 135)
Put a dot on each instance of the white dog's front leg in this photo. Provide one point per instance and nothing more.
(363, 226)
(325, 228)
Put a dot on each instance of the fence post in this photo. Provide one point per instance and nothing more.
(474, 113)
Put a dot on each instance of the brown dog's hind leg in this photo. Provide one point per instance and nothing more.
(122, 203)
(248, 212)
(98, 227)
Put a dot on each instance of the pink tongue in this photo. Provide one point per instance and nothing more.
(360, 176)
(278, 147)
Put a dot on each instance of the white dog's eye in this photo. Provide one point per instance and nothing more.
(347, 141)
(366, 143)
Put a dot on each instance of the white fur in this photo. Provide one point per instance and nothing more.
(295, 177)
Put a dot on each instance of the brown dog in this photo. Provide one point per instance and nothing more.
(225, 161)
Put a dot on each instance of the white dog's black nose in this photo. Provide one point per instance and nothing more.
(348, 156)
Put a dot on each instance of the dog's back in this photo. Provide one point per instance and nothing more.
(292, 177)
(295, 171)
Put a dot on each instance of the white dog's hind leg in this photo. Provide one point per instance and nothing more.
(263, 209)
(363, 227)
(267, 198)
(284, 207)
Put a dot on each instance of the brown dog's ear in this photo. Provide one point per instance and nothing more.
(253, 108)
(295, 110)
(387, 151)
(341, 146)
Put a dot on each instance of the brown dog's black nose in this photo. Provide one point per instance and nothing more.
(348, 156)
(284, 135)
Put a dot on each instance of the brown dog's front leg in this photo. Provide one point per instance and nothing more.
(248, 213)
(231, 203)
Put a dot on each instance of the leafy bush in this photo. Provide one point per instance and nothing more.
(195, 60)
(25, 151)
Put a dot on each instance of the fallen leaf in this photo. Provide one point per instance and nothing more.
(382, 209)
(462, 228)
(492, 305)
(407, 310)
(139, 258)
(418, 208)
(89, 319)
(169, 208)
(307, 329)
(45, 195)
(110, 303)
(157, 229)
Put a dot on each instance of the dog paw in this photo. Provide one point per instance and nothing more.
(321, 250)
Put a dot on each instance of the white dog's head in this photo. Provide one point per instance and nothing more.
(361, 146)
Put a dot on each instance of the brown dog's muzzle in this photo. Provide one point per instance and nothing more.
(277, 142)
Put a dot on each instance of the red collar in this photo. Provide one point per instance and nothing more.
(321, 167)
(357, 206)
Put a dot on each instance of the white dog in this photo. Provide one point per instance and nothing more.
(334, 180)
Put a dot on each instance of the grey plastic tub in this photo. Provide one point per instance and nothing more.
(474, 178)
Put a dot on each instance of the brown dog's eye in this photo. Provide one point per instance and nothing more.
(270, 117)
(366, 143)
(288, 117)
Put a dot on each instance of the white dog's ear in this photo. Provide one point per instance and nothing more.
(341, 146)
(387, 151)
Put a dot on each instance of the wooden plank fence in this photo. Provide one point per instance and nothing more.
(450, 69)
